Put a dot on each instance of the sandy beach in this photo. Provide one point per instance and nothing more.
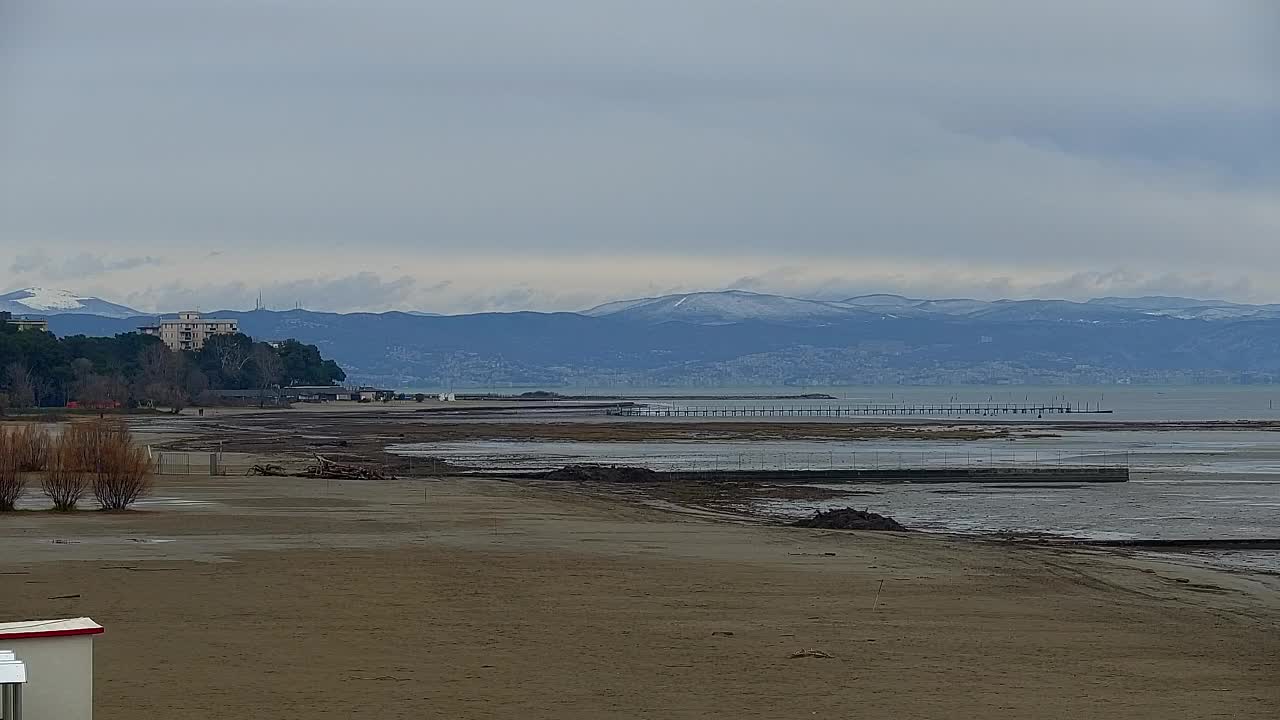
(284, 597)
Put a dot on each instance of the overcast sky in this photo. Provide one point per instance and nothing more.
(459, 155)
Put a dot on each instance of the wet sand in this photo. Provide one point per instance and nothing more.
(285, 598)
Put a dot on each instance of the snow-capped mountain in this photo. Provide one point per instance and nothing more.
(1100, 309)
(730, 306)
(734, 306)
(881, 300)
(912, 307)
(45, 301)
(1192, 309)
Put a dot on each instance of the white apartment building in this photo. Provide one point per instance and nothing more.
(26, 323)
(190, 330)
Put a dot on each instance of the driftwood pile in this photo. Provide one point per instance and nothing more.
(268, 470)
(324, 469)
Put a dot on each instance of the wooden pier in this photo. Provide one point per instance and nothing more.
(835, 410)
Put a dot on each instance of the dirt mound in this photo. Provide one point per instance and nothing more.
(850, 519)
(604, 473)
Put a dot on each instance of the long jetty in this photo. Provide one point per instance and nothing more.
(836, 410)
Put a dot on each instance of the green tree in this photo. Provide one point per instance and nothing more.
(37, 368)
(303, 365)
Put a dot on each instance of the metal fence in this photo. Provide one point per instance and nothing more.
(199, 463)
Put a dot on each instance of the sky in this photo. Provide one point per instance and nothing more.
(477, 155)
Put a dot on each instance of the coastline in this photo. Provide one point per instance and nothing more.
(465, 596)
(468, 597)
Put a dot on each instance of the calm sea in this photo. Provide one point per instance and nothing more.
(1127, 402)
(1186, 483)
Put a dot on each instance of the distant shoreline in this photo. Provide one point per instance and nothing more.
(551, 396)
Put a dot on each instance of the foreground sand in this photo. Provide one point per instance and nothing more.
(286, 598)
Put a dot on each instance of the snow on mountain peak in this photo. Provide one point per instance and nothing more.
(53, 301)
(38, 298)
(727, 306)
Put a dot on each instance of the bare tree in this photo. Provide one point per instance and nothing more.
(269, 368)
(161, 377)
(194, 382)
(231, 352)
(88, 387)
(43, 389)
(20, 384)
(118, 388)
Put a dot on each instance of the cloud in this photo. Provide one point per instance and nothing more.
(477, 285)
(586, 149)
(79, 266)
(29, 263)
(359, 291)
(364, 291)
(1131, 282)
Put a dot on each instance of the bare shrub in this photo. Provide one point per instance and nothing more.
(12, 482)
(99, 456)
(121, 473)
(32, 445)
(125, 476)
(65, 481)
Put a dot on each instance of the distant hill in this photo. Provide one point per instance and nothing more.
(44, 301)
(1013, 342)
(743, 338)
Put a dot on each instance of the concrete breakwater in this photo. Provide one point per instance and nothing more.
(991, 475)
(1182, 544)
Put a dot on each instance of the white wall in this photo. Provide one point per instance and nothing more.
(59, 676)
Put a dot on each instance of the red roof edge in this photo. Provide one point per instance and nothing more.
(50, 633)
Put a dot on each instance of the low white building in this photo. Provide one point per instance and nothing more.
(57, 666)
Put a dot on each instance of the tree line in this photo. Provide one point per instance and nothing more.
(38, 369)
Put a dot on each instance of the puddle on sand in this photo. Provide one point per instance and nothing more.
(171, 502)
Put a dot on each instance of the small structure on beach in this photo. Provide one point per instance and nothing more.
(317, 393)
(13, 676)
(56, 658)
(373, 394)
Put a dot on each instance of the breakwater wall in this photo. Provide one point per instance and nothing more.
(992, 475)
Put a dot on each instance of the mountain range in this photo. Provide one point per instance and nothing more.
(44, 302)
(742, 338)
(715, 308)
